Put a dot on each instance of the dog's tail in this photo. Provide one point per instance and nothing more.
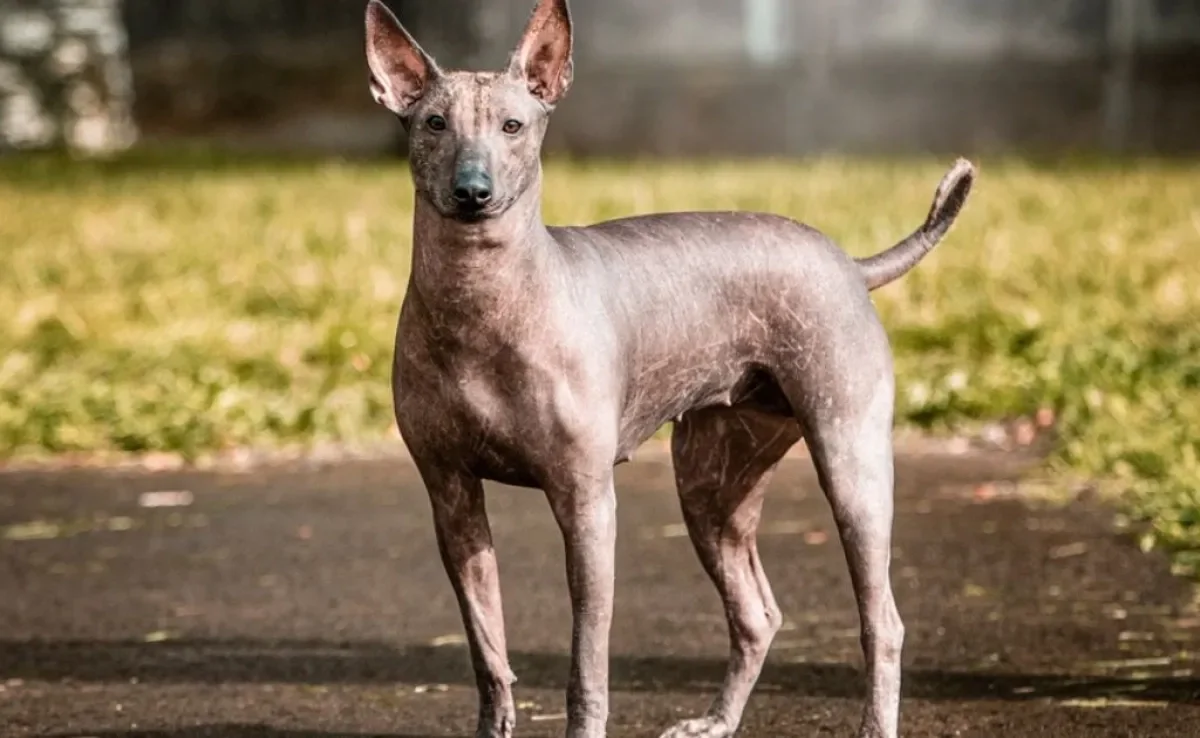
(888, 266)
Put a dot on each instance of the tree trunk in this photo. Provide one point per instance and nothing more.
(65, 81)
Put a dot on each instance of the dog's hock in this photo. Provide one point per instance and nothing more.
(400, 69)
(543, 55)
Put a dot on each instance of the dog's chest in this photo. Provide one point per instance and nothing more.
(495, 432)
(505, 414)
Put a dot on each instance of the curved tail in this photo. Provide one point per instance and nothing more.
(888, 266)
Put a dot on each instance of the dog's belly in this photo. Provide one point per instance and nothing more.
(501, 462)
(662, 400)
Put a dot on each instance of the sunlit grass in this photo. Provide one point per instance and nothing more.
(186, 304)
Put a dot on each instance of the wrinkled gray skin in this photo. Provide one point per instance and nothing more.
(543, 357)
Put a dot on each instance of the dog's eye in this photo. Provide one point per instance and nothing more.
(512, 126)
(435, 123)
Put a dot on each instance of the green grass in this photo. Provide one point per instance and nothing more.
(186, 304)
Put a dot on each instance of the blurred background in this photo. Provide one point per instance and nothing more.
(228, 275)
(672, 77)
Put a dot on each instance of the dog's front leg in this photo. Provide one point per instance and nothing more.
(465, 542)
(586, 510)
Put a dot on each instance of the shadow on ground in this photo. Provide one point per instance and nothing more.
(321, 662)
(230, 731)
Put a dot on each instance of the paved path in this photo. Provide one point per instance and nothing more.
(310, 603)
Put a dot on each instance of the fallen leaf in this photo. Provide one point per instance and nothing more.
(1024, 433)
(674, 530)
(973, 590)
(958, 445)
(166, 498)
(453, 639)
(1068, 550)
(994, 434)
(1104, 702)
(161, 461)
(783, 528)
(1133, 663)
(1115, 612)
(35, 530)
(985, 491)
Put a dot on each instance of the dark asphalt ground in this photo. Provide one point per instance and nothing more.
(305, 603)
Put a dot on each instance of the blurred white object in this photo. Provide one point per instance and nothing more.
(166, 498)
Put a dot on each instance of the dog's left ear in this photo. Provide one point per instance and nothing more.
(543, 57)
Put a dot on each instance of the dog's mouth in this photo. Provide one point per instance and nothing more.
(472, 214)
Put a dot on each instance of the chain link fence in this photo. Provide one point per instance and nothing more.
(674, 77)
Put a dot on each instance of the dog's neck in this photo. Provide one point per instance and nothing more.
(469, 271)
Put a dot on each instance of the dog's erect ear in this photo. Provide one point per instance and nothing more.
(400, 69)
(543, 57)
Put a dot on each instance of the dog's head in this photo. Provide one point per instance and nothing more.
(474, 137)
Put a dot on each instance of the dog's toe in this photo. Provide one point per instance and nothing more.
(499, 724)
(699, 728)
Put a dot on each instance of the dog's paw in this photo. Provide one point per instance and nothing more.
(497, 725)
(700, 728)
(873, 728)
(501, 730)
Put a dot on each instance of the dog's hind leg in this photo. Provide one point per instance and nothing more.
(848, 429)
(723, 461)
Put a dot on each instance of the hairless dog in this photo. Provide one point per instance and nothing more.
(542, 357)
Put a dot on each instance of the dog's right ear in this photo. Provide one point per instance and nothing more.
(400, 69)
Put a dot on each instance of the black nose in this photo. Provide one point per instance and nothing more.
(473, 188)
